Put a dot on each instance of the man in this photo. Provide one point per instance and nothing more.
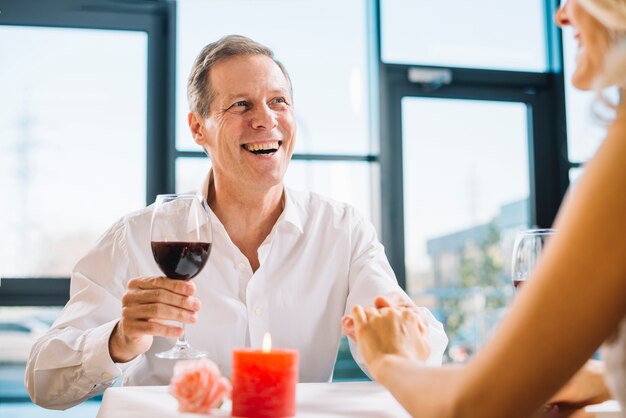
(282, 261)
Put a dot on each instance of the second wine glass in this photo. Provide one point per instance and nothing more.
(181, 239)
(526, 253)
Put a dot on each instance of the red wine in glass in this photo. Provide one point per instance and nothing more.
(518, 284)
(181, 260)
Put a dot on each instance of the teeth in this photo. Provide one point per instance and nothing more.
(262, 147)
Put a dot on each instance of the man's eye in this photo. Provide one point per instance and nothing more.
(280, 100)
(239, 107)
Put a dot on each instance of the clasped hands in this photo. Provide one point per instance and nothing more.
(394, 326)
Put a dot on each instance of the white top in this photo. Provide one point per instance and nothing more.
(614, 353)
(339, 400)
(319, 260)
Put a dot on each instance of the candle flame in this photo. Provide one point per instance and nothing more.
(267, 343)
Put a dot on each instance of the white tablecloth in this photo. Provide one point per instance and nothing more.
(608, 409)
(353, 399)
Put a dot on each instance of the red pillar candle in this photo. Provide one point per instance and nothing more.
(264, 382)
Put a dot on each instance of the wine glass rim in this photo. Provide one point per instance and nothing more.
(538, 231)
(178, 195)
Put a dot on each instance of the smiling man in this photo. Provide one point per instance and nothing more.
(288, 262)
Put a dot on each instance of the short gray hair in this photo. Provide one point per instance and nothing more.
(200, 94)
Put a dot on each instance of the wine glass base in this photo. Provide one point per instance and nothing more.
(182, 352)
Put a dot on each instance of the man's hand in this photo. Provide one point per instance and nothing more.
(146, 306)
(392, 299)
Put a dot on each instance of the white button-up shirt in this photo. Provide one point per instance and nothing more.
(319, 260)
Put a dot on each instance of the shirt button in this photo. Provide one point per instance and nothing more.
(258, 311)
(105, 375)
(241, 266)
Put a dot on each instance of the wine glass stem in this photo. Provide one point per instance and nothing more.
(181, 342)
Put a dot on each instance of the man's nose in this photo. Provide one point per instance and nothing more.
(263, 117)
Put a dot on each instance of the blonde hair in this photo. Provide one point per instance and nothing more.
(612, 15)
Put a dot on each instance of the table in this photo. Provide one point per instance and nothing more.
(608, 409)
(350, 399)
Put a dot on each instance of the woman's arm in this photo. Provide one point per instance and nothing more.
(575, 299)
(573, 302)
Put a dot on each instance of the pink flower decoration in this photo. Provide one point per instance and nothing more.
(198, 386)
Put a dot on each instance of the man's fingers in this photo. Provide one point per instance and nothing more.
(358, 316)
(409, 314)
(347, 323)
(140, 297)
(166, 312)
(382, 302)
(417, 317)
(371, 312)
(158, 311)
(181, 287)
(399, 300)
(155, 291)
(155, 328)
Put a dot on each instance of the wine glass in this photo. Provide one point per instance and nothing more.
(526, 252)
(181, 239)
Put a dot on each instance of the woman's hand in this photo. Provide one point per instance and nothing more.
(388, 331)
(585, 388)
(390, 300)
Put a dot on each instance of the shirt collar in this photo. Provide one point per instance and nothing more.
(291, 212)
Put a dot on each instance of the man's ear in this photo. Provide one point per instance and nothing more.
(196, 126)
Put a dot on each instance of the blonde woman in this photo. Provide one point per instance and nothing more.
(574, 303)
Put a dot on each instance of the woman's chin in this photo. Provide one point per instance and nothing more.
(582, 81)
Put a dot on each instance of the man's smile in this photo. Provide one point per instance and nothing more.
(263, 148)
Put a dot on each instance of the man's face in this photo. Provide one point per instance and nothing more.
(250, 129)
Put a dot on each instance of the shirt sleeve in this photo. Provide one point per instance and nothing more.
(371, 275)
(71, 362)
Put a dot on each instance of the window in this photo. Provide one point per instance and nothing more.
(73, 123)
(77, 128)
(459, 227)
(488, 34)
